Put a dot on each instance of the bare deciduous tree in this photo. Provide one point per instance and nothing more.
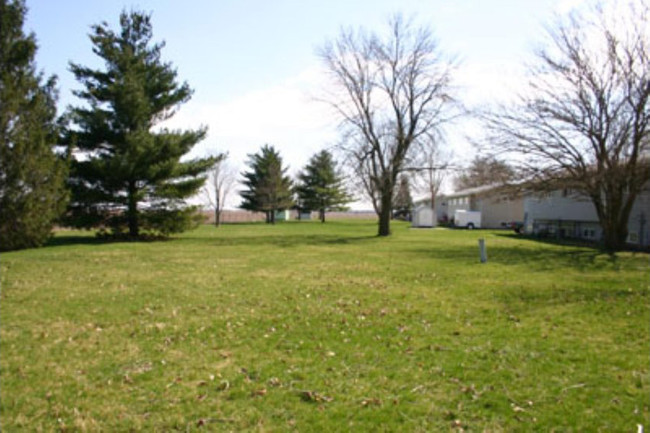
(221, 179)
(360, 168)
(430, 171)
(584, 124)
(390, 92)
(484, 171)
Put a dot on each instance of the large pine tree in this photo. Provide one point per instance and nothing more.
(32, 193)
(320, 185)
(127, 174)
(268, 188)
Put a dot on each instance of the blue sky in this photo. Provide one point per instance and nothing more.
(253, 67)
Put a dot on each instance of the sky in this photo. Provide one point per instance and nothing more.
(254, 68)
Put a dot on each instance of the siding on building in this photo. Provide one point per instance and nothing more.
(565, 214)
(497, 209)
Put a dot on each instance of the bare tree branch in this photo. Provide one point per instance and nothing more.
(222, 177)
(584, 122)
(391, 93)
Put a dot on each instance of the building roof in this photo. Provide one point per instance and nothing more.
(474, 191)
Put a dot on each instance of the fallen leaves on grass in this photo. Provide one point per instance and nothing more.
(366, 402)
(517, 408)
(457, 424)
(259, 393)
(314, 397)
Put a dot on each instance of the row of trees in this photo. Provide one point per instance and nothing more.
(321, 186)
(268, 188)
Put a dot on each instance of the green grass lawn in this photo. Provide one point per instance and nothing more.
(312, 327)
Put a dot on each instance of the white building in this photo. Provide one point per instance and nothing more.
(423, 216)
(498, 208)
(567, 215)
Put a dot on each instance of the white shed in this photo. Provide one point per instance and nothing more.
(423, 216)
(282, 215)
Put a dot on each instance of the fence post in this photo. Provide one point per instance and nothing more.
(482, 250)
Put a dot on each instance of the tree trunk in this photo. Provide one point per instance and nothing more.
(322, 215)
(614, 231)
(217, 210)
(614, 236)
(613, 214)
(433, 206)
(385, 213)
(132, 211)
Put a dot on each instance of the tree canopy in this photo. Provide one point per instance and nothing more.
(268, 188)
(127, 172)
(32, 190)
(321, 185)
(584, 124)
(484, 171)
(392, 93)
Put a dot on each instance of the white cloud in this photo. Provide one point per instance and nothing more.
(565, 6)
(482, 83)
(284, 115)
(287, 116)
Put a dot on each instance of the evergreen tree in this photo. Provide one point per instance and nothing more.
(403, 202)
(32, 192)
(268, 186)
(320, 185)
(128, 175)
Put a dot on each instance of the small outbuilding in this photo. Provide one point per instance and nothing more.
(423, 216)
(282, 215)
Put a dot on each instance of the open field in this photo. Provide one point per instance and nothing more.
(311, 327)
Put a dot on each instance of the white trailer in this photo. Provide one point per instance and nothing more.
(467, 219)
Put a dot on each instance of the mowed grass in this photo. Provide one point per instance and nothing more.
(323, 327)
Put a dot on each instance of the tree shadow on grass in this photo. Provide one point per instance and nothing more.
(525, 257)
(529, 298)
(534, 274)
(70, 240)
(557, 254)
(283, 241)
(565, 242)
(93, 239)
